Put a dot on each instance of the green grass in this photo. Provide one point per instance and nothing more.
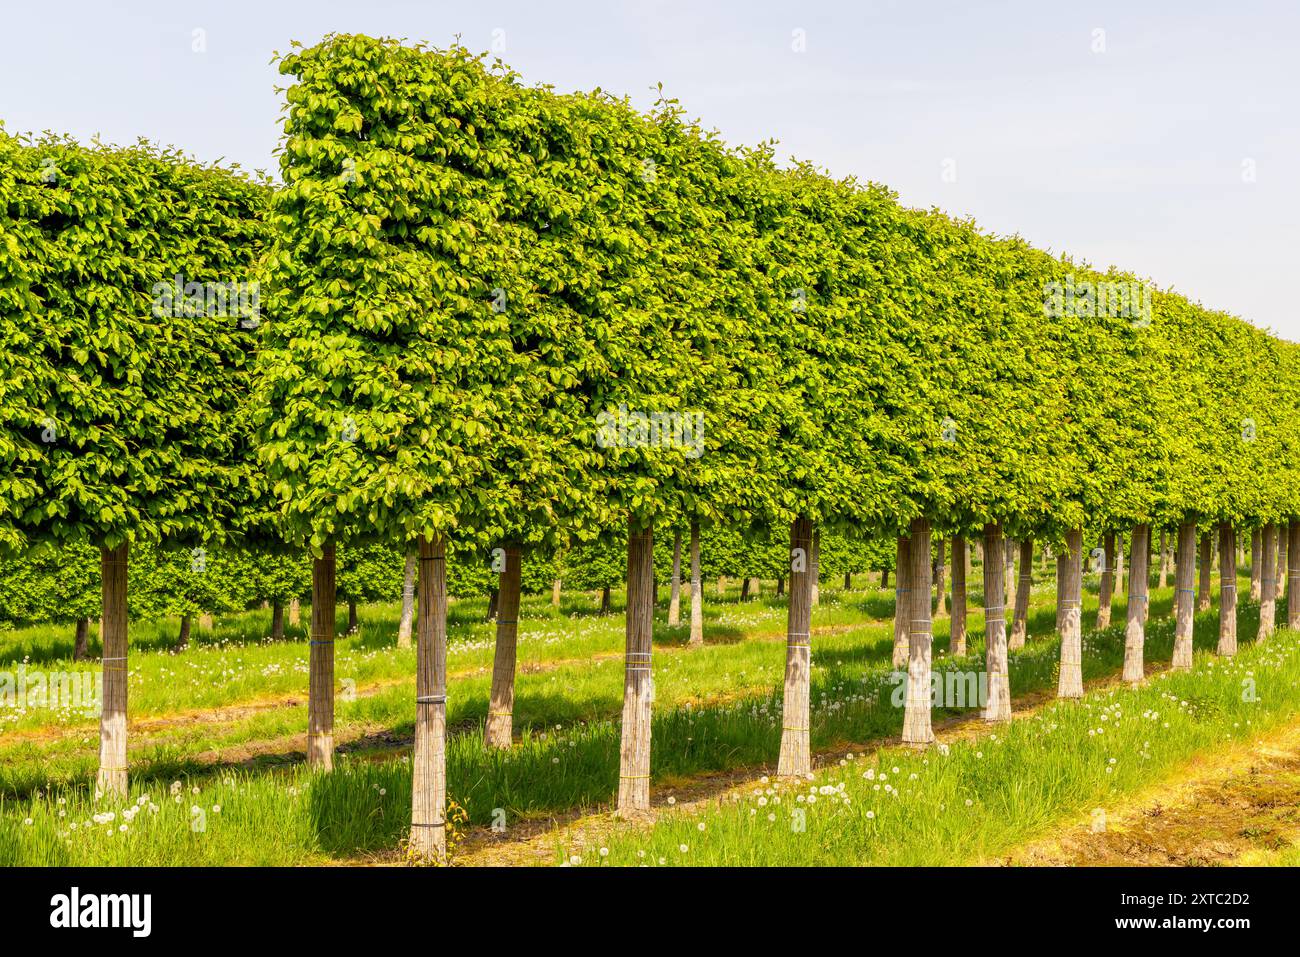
(364, 805)
(966, 803)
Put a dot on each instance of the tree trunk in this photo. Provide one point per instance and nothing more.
(1146, 586)
(957, 642)
(1293, 575)
(81, 650)
(697, 589)
(1206, 567)
(916, 716)
(408, 603)
(780, 586)
(1062, 559)
(605, 604)
(111, 781)
(1106, 590)
(1227, 590)
(1020, 617)
(1135, 624)
(884, 578)
(744, 589)
(902, 600)
(320, 693)
(501, 704)
(1268, 583)
(295, 611)
(998, 706)
(940, 586)
(183, 639)
(555, 592)
(1164, 559)
(1119, 565)
(1279, 581)
(429, 759)
(816, 567)
(638, 685)
(796, 757)
(1184, 596)
(675, 594)
(494, 598)
(353, 622)
(1070, 683)
(1008, 571)
(277, 620)
(848, 581)
(1256, 563)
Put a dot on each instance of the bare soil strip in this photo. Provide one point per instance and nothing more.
(1239, 805)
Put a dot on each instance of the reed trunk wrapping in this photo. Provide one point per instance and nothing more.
(916, 716)
(1009, 571)
(697, 591)
(998, 707)
(1205, 568)
(638, 683)
(1061, 559)
(1135, 623)
(816, 567)
(957, 643)
(429, 760)
(1268, 583)
(499, 730)
(796, 756)
(940, 586)
(1184, 596)
(1293, 576)
(1256, 563)
(406, 622)
(1119, 565)
(1227, 590)
(1070, 682)
(111, 780)
(1106, 589)
(1280, 581)
(675, 587)
(1020, 616)
(320, 693)
(902, 598)
(1164, 559)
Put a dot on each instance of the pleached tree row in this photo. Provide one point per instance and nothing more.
(520, 323)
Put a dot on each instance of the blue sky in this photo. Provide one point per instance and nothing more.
(1165, 144)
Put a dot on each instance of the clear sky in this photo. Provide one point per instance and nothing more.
(1158, 136)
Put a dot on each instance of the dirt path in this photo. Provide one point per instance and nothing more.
(1236, 806)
